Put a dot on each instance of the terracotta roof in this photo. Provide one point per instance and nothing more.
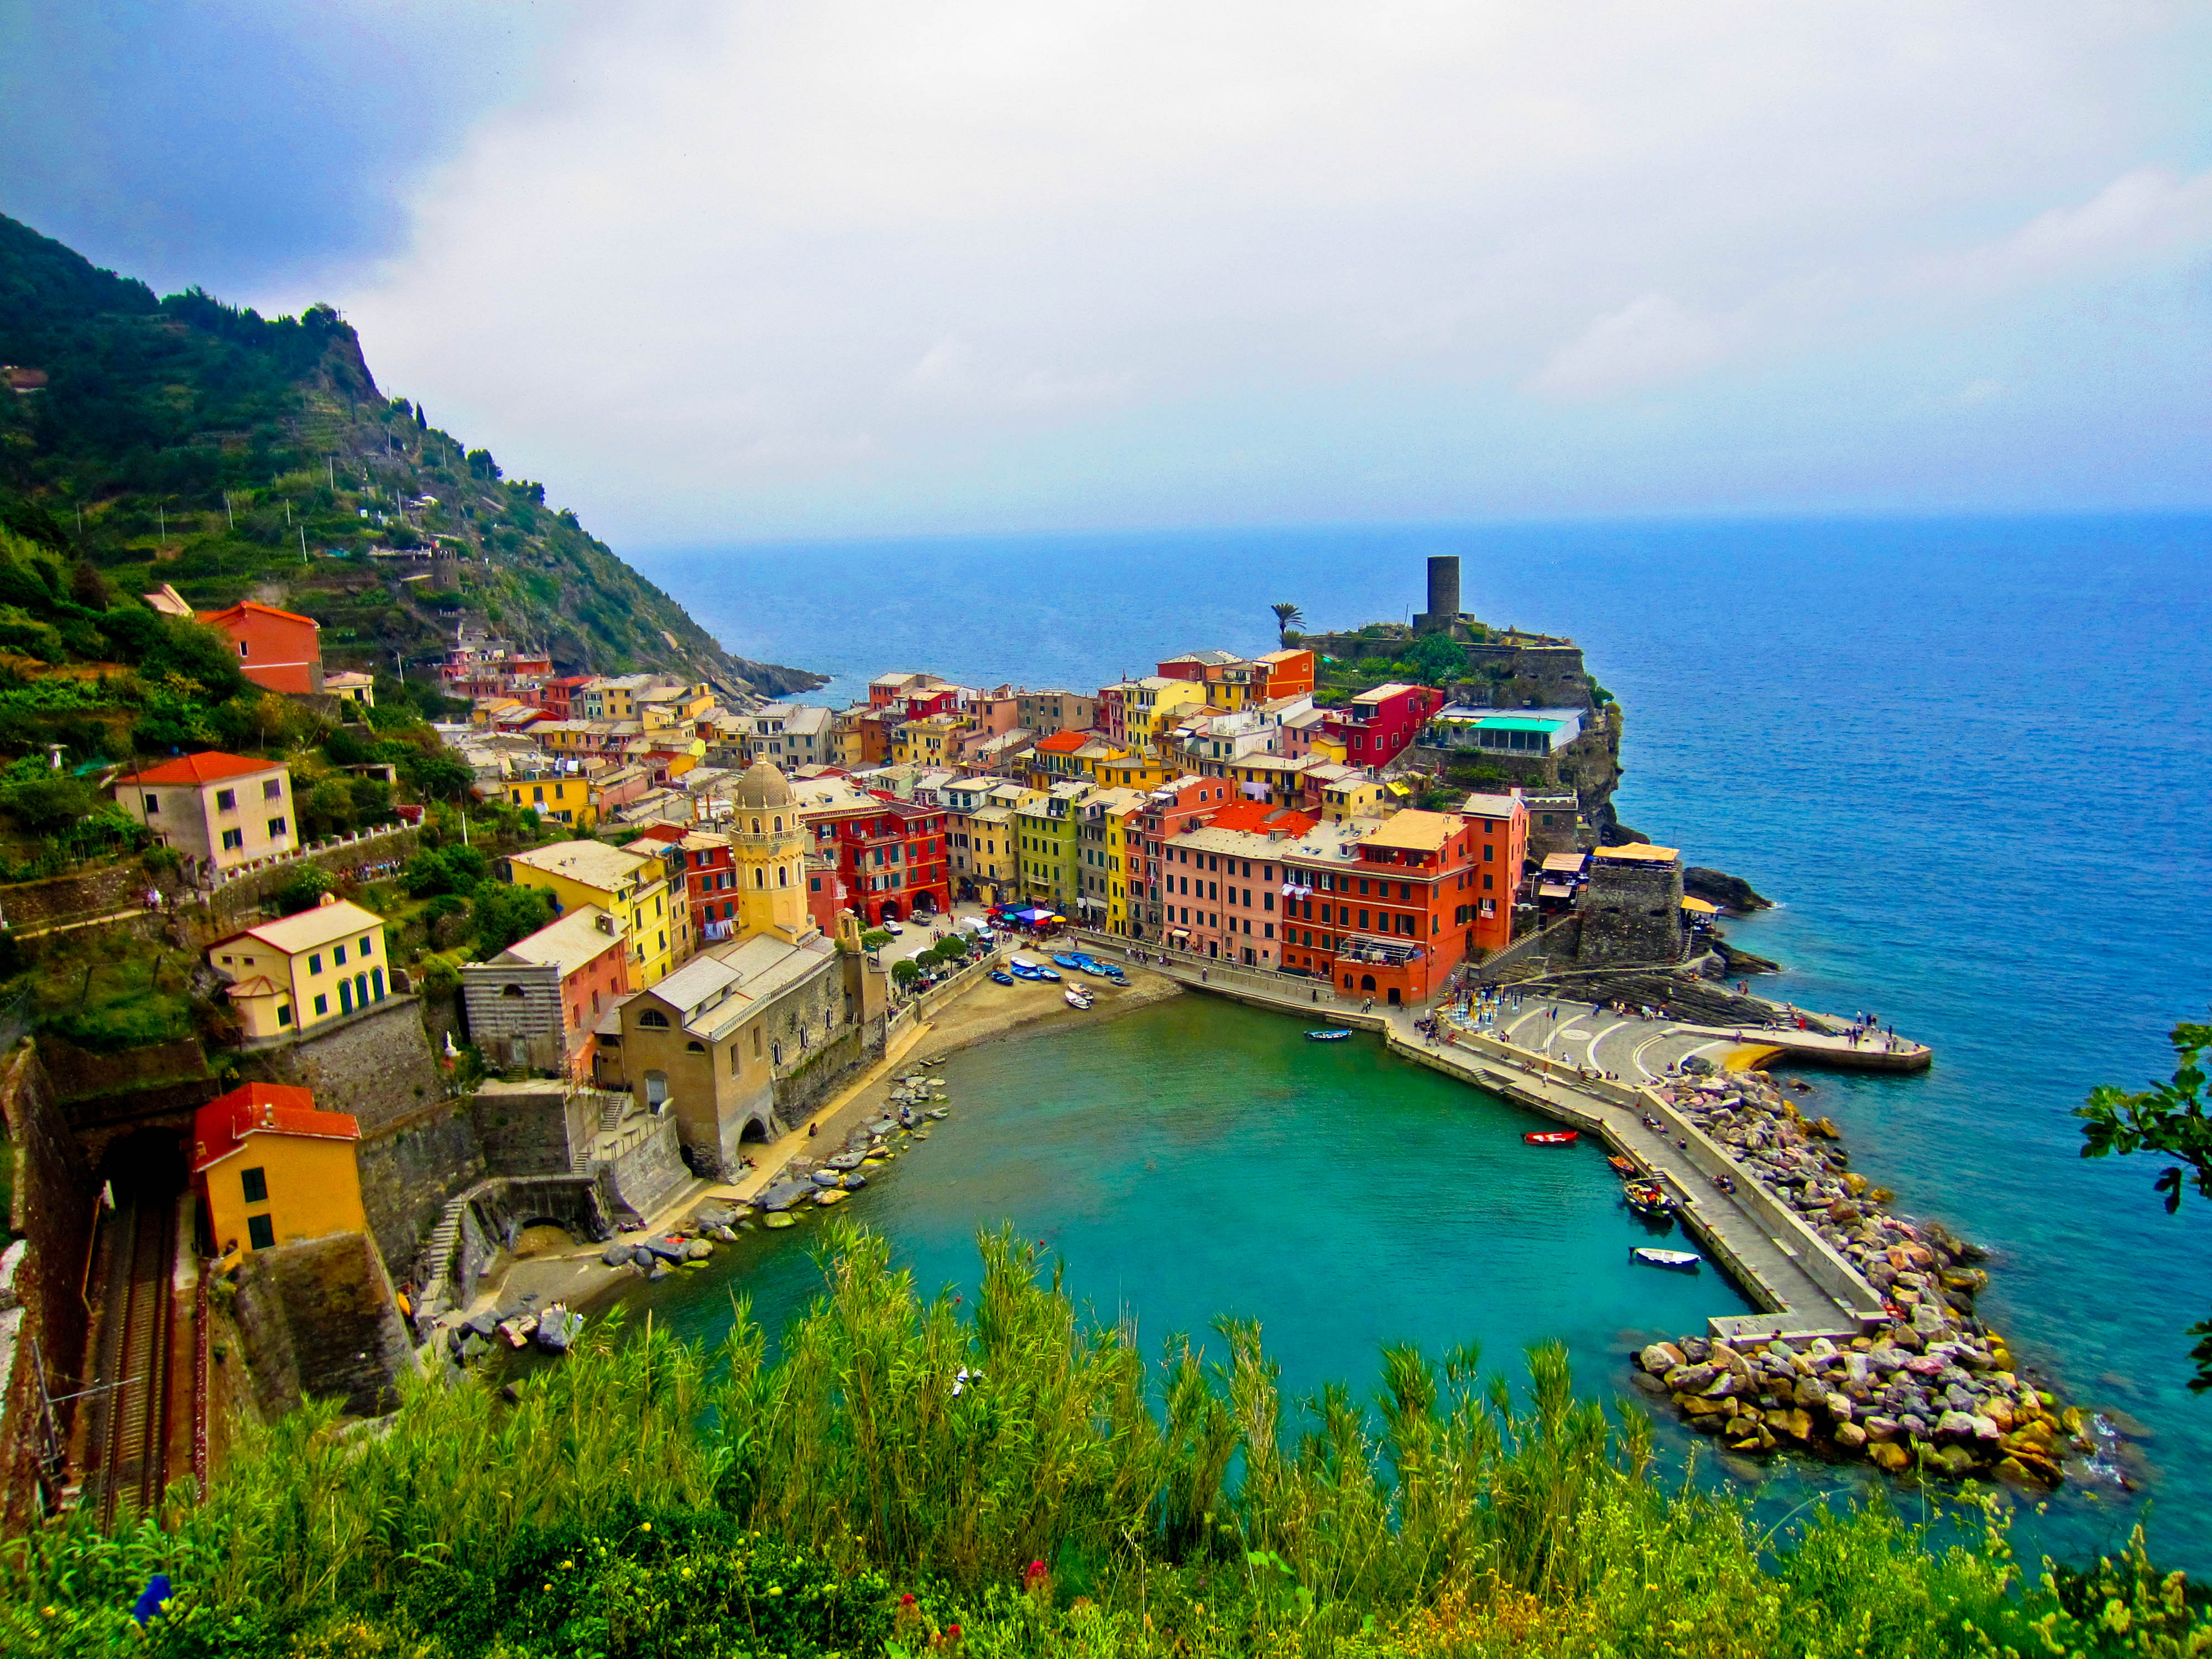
(1064, 743)
(203, 769)
(1258, 815)
(245, 606)
(222, 1124)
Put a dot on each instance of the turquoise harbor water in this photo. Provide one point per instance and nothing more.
(1970, 757)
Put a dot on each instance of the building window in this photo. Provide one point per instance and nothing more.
(153, 804)
(255, 1185)
(260, 1231)
(226, 800)
(233, 841)
(315, 964)
(322, 1007)
(276, 827)
(653, 1020)
(337, 955)
(272, 789)
(284, 1013)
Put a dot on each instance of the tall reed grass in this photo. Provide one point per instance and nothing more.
(908, 1478)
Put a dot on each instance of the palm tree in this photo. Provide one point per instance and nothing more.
(1288, 617)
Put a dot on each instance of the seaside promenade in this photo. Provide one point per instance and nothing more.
(1549, 1056)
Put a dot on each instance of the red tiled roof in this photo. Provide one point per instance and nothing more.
(202, 768)
(223, 1123)
(245, 606)
(1064, 743)
(1258, 816)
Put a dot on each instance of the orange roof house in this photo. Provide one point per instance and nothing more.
(279, 650)
(272, 1169)
(222, 810)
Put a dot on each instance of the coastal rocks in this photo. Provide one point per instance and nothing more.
(1718, 887)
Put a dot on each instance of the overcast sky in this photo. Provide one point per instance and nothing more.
(724, 271)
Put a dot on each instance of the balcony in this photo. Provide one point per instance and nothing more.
(1377, 951)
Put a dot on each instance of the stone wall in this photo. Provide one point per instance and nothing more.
(367, 856)
(495, 1213)
(508, 1029)
(317, 1319)
(647, 1169)
(54, 1194)
(410, 1166)
(29, 906)
(799, 1091)
(539, 1127)
(378, 1065)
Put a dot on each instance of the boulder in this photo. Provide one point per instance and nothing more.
(1661, 1358)
(1956, 1462)
(616, 1255)
(1646, 1382)
(697, 1250)
(1957, 1424)
(1841, 1407)
(1797, 1423)
(659, 1269)
(1689, 1376)
(1810, 1391)
(1850, 1436)
(1890, 1455)
(1698, 1405)
(1880, 1428)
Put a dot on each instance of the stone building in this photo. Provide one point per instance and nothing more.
(1632, 910)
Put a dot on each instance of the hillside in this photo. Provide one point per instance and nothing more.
(183, 440)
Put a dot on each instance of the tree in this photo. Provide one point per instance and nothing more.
(503, 915)
(905, 971)
(303, 891)
(1288, 617)
(2167, 1119)
(438, 777)
(1437, 658)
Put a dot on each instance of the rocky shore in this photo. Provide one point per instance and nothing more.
(1934, 1390)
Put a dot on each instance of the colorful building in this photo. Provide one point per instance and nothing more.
(560, 795)
(630, 884)
(277, 650)
(548, 992)
(890, 854)
(222, 810)
(270, 1168)
(1221, 883)
(1154, 704)
(1048, 830)
(1378, 724)
(359, 690)
(289, 976)
(1504, 824)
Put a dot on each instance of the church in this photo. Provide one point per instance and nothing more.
(740, 1042)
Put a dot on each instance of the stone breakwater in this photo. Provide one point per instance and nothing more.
(1933, 1390)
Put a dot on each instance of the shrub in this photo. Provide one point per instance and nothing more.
(302, 890)
(444, 870)
(905, 971)
(503, 915)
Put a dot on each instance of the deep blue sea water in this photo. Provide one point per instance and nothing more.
(1969, 757)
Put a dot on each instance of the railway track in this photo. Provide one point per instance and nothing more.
(129, 1454)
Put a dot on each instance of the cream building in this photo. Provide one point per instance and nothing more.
(290, 975)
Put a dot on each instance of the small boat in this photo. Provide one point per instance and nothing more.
(1682, 1261)
(1650, 1199)
(1047, 973)
(1621, 1166)
(1066, 962)
(1001, 976)
(1327, 1036)
(1023, 970)
(1077, 999)
(1553, 1137)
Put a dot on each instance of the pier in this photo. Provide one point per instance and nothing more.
(1549, 1056)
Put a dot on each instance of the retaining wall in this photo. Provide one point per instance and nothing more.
(317, 1319)
(410, 1166)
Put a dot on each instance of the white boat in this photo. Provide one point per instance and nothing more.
(1077, 999)
(1682, 1261)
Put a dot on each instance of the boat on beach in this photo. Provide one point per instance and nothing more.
(1553, 1137)
(1076, 997)
(1327, 1036)
(1680, 1261)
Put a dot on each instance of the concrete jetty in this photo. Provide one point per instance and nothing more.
(1551, 1057)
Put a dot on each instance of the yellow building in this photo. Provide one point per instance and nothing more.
(1134, 772)
(1119, 810)
(768, 848)
(357, 688)
(272, 1170)
(301, 971)
(1155, 703)
(631, 885)
(1356, 797)
(563, 797)
(929, 741)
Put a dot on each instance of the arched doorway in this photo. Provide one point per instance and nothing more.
(1367, 981)
(890, 910)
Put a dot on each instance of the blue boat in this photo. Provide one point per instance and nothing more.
(1001, 976)
(1068, 962)
(1327, 1036)
(1023, 970)
(1047, 973)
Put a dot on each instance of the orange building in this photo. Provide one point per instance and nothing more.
(1388, 910)
(271, 1169)
(279, 650)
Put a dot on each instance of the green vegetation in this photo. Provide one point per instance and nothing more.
(1288, 620)
(183, 440)
(2167, 1119)
(856, 1496)
(105, 991)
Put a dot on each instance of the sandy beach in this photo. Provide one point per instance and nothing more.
(576, 1274)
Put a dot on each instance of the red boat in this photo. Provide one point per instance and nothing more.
(1553, 1137)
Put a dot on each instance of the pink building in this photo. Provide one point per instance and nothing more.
(1220, 883)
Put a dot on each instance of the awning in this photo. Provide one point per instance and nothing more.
(1555, 889)
(1697, 907)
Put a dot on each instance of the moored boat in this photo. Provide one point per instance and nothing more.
(1621, 1166)
(1648, 1198)
(1553, 1137)
(1327, 1036)
(1681, 1261)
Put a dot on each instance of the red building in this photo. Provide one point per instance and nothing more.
(277, 649)
(710, 880)
(1377, 726)
(825, 892)
(554, 696)
(889, 854)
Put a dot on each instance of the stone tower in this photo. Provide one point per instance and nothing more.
(1442, 614)
(769, 848)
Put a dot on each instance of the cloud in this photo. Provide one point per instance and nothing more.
(855, 264)
(1648, 339)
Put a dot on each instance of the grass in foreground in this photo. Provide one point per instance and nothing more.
(860, 1497)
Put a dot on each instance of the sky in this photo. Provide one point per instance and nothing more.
(765, 271)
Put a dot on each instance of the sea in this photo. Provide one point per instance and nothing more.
(1968, 759)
